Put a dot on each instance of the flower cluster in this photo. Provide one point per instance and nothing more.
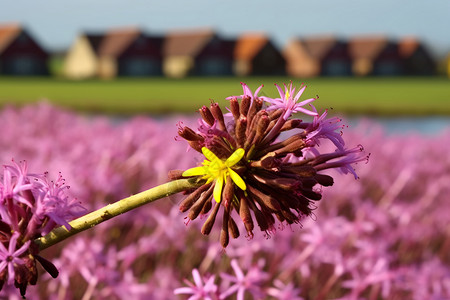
(384, 236)
(30, 206)
(261, 161)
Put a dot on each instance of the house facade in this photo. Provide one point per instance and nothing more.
(82, 59)
(130, 52)
(377, 56)
(143, 57)
(255, 54)
(118, 52)
(417, 60)
(317, 56)
(202, 52)
(197, 53)
(20, 53)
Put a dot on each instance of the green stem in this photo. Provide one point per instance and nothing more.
(112, 210)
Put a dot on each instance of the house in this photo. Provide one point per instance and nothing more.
(254, 54)
(20, 53)
(375, 55)
(417, 61)
(317, 56)
(82, 60)
(118, 52)
(197, 52)
(130, 52)
(446, 65)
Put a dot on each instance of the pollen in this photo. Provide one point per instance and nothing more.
(217, 170)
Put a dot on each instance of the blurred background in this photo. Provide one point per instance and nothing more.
(371, 57)
(94, 89)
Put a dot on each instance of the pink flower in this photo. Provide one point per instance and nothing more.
(323, 128)
(30, 205)
(52, 201)
(251, 282)
(342, 160)
(289, 103)
(247, 92)
(201, 289)
(283, 291)
(14, 183)
(11, 256)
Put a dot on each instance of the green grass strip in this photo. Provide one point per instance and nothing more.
(373, 96)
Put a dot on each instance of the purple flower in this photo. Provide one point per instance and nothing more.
(247, 92)
(14, 183)
(251, 171)
(343, 160)
(201, 289)
(11, 257)
(241, 283)
(323, 128)
(283, 291)
(288, 102)
(53, 202)
(379, 273)
(30, 205)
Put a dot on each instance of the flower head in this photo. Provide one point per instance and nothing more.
(215, 169)
(275, 178)
(201, 289)
(247, 92)
(10, 258)
(288, 102)
(30, 205)
(283, 291)
(241, 282)
(325, 128)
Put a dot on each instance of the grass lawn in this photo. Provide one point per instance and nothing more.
(381, 96)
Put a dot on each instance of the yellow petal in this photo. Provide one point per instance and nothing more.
(217, 193)
(237, 180)
(235, 157)
(196, 171)
(209, 154)
(216, 167)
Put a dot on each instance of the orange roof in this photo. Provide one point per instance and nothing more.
(116, 41)
(188, 43)
(8, 33)
(367, 47)
(407, 46)
(248, 45)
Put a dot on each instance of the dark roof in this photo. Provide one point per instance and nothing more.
(189, 43)
(249, 45)
(95, 39)
(8, 33)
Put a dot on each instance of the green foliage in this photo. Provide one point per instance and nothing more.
(376, 95)
(56, 65)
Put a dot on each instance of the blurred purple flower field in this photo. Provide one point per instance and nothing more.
(383, 236)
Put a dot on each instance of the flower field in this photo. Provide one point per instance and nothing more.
(385, 235)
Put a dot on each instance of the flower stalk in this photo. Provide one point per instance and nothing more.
(115, 209)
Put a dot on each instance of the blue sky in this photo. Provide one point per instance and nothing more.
(56, 22)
